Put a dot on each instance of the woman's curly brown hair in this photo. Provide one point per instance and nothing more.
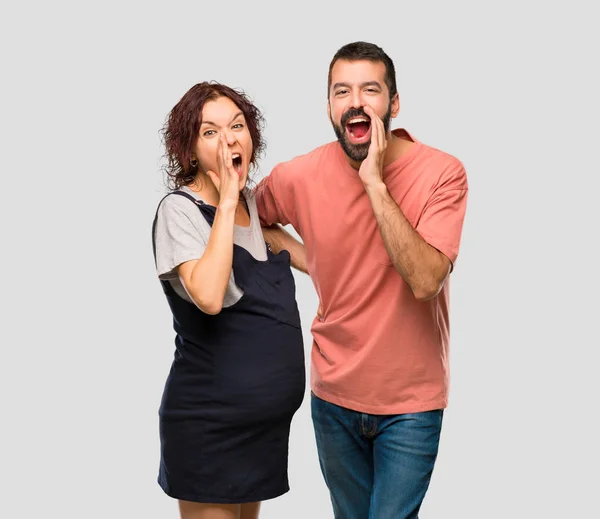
(180, 132)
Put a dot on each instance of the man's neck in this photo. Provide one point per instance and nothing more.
(397, 146)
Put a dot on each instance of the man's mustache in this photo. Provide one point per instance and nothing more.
(354, 112)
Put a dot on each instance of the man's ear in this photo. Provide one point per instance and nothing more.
(395, 105)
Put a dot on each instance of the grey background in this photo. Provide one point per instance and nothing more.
(510, 88)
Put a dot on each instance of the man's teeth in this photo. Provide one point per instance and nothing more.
(235, 156)
(358, 120)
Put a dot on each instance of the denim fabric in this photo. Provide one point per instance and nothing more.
(375, 466)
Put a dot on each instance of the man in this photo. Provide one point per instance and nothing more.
(380, 215)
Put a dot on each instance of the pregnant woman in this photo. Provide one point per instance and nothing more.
(238, 374)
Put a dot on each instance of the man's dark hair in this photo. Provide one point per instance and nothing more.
(361, 50)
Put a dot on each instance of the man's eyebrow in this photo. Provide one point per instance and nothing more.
(371, 83)
(234, 118)
(338, 85)
(362, 85)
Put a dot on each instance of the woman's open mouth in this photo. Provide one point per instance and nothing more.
(236, 158)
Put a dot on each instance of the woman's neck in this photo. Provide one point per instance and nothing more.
(203, 186)
(205, 189)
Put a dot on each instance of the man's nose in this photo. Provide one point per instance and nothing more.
(356, 100)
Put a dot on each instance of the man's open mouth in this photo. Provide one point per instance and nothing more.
(358, 129)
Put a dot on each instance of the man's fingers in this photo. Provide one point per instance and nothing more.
(377, 130)
(380, 132)
(382, 141)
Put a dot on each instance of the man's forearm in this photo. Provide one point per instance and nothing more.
(422, 266)
(279, 239)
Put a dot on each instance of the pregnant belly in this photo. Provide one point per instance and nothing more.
(265, 374)
(258, 377)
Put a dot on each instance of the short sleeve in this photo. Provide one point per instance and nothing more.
(441, 223)
(273, 200)
(181, 235)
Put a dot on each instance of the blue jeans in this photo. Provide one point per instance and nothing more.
(375, 466)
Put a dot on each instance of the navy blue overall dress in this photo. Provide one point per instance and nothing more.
(236, 381)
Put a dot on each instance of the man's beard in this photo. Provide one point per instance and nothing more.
(357, 152)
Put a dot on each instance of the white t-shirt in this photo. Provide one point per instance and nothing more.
(182, 234)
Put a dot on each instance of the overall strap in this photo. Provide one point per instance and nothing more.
(188, 196)
(182, 193)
